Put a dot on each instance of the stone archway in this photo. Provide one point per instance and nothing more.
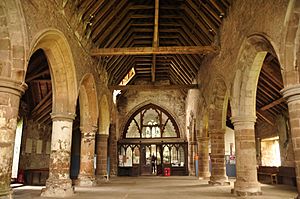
(216, 127)
(291, 44)
(12, 86)
(203, 145)
(104, 118)
(290, 58)
(133, 110)
(243, 104)
(13, 41)
(102, 138)
(88, 127)
(62, 69)
(64, 83)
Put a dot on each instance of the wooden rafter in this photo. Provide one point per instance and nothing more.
(153, 87)
(272, 104)
(264, 117)
(155, 39)
(163, 50)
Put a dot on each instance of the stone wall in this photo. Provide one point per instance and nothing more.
(172, 101)
(41, 16)
(35, 146)
(280, 128)
(254, 16)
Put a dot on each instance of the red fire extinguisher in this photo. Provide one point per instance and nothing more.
(20, 178)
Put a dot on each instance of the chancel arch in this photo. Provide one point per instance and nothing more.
(151, 132)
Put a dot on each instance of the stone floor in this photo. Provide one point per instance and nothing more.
(161, 188)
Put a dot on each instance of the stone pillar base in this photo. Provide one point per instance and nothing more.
(86, 181)
(58, 188)
(7, 194)
(203, 178)
(101, 179)
(219, 182)
(246, 190)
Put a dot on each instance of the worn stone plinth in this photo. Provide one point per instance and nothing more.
(58, 188)
(59, 183)
(218, 167)
(6, 194)
(246, 174)
(203, 154)
(246, 189)
(102, 143)
(292, 94)
(86, 181)
(86, 173)
(10, 93)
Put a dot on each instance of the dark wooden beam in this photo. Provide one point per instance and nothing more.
(154, 51)
(272, 104)
(43, 101)
(155, 39)
(153, 87)
(28, 79)
(264, 117)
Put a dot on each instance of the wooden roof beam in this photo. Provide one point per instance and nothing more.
(157, 51)
(154, 87)
(272, 104)
(155, 39)
(264, 117)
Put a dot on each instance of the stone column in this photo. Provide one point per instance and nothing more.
(217, 156)
(292, 94)
(203, 157)
(113, 153)
(246, 174)
(101, 156)
(191, 153)
(59, 183)
(87, 173)
(10, 93)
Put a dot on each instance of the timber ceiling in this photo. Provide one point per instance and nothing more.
(269, 101)
(181, 31)
(153, 23)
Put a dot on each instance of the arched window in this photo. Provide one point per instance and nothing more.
(151, 121)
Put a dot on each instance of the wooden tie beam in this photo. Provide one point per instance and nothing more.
(163, 50)
(153, 87)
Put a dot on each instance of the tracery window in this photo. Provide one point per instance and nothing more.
(151, 122)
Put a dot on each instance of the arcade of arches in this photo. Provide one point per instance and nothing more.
(91, 90)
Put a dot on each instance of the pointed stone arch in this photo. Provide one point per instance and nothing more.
(62, 69)
(88, 101)
(249, 63)
(216, 130)
(88, 104)
(291, 44)
(136, 108)
(104, 117)
(243, 108)
(13, 40)
(218, 104)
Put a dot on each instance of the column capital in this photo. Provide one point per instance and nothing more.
(291, 93)
(88, 128)
(62, 116)
(217, 131)
(243, 122)
(12, 86)
(102, 135)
